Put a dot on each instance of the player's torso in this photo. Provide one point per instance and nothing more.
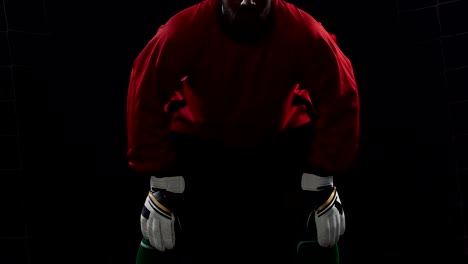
(247, 82)
(240, 86)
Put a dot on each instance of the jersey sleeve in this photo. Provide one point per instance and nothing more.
(328, 76)
(155, 76)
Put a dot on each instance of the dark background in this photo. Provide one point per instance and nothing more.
(67, 197)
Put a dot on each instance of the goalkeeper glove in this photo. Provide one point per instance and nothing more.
(157, 217)
(329, 215)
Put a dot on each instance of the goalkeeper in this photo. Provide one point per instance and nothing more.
(239, 115)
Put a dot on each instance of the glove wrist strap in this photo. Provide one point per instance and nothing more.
(174, 184)
(312, 182)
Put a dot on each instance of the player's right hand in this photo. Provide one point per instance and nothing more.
(157, 219)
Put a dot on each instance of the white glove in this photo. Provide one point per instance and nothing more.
(329, 217)
(157, 219)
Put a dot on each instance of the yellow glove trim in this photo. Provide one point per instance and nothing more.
(332, 195)
(164, 208)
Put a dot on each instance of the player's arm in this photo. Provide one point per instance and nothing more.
(327, 75)
(155, 76)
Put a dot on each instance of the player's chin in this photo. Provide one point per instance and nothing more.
(247, 19)
(250, 25)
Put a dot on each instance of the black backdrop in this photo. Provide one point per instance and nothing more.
(64, 72)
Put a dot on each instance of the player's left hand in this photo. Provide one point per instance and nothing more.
(329, 216)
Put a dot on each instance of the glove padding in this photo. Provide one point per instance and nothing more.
(329, 217)
(157, 220)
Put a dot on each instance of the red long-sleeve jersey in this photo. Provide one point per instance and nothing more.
(192, 77)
